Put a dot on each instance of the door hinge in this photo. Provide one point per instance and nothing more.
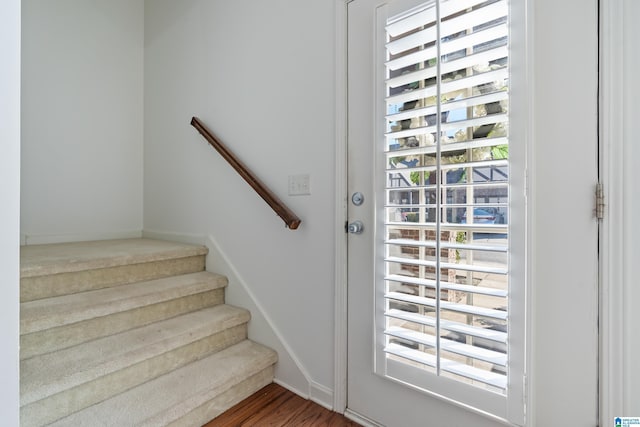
(599, 201)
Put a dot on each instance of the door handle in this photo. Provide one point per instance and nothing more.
(355, 227)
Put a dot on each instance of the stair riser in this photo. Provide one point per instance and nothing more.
(67, 402)
(223, 401)
(38, 287)
(53, 339)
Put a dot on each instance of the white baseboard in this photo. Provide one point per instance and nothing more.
(317, 393)
(43, 239)
(321, 395)
(360, 419)
(291, 388)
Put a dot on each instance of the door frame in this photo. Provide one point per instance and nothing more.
(612, 227)
(611, 261)
(341, 200)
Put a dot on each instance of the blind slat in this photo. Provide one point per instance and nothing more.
(447, 286)
(466, 371)
(477, 38)
(473, 19)
(474, 122)
(474, 228)
(486, 35)
(475, 80)
(460, 206)
(478, 164)
(448, 28)
(450, 66)
(413, 19)
(469, 61)
(445, 245)
(452, 146)
(452, 86)
(445, 305)
(414, 40)
(465, 267)
(474, 331)
(456, 104)
(462, 349)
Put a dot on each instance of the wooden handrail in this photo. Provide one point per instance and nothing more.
(290, 219)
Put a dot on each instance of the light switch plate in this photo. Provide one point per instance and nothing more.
(299, 185)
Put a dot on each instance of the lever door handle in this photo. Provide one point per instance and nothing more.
(355, 227)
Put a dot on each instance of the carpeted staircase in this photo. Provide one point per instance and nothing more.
(131, 332)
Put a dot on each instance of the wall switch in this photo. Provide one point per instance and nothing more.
(299, 185)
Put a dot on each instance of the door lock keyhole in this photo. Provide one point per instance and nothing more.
(357, 198)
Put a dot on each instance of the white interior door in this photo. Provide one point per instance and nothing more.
(495, 312)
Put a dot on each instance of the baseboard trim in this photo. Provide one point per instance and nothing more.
(291, 388)
(360, 419)
(43, 239)
(317, 393)
(321, 395)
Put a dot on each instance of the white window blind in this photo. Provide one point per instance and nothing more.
(446, 205)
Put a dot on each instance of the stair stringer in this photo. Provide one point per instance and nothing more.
(290, 371)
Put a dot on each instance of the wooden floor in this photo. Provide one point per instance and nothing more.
(276, 406)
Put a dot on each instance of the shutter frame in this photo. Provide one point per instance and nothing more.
(425, 84)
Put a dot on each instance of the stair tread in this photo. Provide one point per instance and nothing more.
(186, 388)
(48, 313)
(48, 374)
(40, 260)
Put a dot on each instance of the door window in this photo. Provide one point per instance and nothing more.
(444, 220)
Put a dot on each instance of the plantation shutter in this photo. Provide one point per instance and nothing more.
(446, 204)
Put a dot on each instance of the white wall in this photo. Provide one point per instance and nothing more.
(631, 136)
(82, 119)
(10, 211)
(620, 93)
(260, 75)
